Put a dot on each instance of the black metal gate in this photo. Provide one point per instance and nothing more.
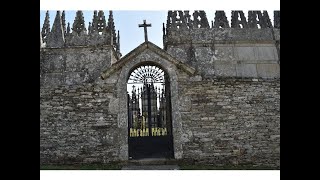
(149, 114)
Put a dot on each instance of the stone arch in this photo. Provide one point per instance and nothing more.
(145, 58)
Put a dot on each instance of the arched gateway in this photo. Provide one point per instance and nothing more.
(150, 62)
(149, 113)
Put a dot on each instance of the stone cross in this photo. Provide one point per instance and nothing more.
(145, 25)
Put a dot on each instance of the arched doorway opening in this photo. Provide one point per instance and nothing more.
(149, 113)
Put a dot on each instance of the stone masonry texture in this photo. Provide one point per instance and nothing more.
(231, 121)
(224, 83)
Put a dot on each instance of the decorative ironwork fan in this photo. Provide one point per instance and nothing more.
(147, 74)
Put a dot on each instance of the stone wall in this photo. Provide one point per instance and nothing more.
(219, 121)
(74, 65)
(78, 124)
(231, 121)
(223, 122)
(228, 52)
(225, 94)
(224, 49)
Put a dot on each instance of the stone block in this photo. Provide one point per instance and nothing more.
(73, 78)
(266, 53)
(97, 39)
(114, 105)
(54, 78)
(185, 104)
(196, 78)
(179, 36)
(203, 54)
(221, 34)
(245, 53)
(276, 34)
(268, 70)
(200, 35)
(264, 34)
(75, 40)
(274, 137)
(224, 53)
(179, 53)
(246, 70)
(239, 34)
(224, 69)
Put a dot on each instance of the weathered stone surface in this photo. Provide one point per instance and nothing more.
(73, 65)
(218, 34)
(204, 60)
(225, 69)
(180, 52)
(56, 37)
(201, 47)
(268, 70)
(218, 131)
(261, 34)
(246, 70)
(258, 19)
(235, 22)
(75, 126)
(225, 95)
(182, 20)
(276, 34)
(276, 18)
(266, 53)
(45, 28)
(220, 20)
(245, 53)
(224, 53)
(99, 32)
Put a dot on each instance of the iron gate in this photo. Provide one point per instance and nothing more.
(149, 114)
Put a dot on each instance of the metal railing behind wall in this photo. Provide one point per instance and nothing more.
(145, 132)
